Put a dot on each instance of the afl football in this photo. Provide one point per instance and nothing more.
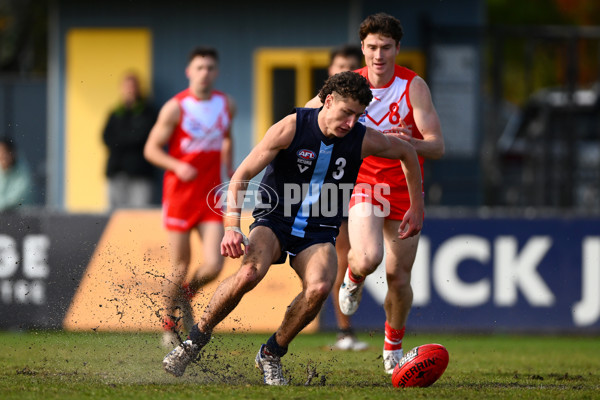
(421, 366)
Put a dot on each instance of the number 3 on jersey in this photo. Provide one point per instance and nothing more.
(340, 163)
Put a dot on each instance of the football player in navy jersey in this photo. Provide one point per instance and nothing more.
(317, 153)
(345, 58)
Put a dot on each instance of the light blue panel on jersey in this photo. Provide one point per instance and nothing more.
(314, 190)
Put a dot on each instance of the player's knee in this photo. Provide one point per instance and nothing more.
(179, 269)
(247, 277)
(366, 261)
(318, 292)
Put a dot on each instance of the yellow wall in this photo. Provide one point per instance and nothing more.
(96, 60)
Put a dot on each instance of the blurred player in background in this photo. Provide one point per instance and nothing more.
(401, 99)
(344, 58)
(337, 144)
(196, 126)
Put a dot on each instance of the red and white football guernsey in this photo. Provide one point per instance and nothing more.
(197, 140)
(390, 104)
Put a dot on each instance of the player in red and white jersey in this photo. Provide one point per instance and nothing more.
(197, 140)
(390, 108)
(195, 125)
(401, 106)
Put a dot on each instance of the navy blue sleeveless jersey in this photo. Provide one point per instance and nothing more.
(312, 179)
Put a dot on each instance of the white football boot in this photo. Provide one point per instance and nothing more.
(390, 359)
(179, 358)
(349, 342)
(270, 366)
(350, 295)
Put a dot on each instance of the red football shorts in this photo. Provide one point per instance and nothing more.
(387, 203)
(185, 203)
(185, 218)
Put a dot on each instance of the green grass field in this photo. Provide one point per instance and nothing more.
(60, 365)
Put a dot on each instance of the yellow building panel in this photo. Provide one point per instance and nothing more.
(412, 59)
(96, 61)
(303, 60)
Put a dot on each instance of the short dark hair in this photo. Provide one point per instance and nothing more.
(203, 51)
(383, 24)
(346, 51)
(347, 84)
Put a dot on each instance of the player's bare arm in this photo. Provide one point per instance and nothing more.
(315, 102)
(158, 138)
(387, 146)
(427, 120)
(227, 147)
(277, 138)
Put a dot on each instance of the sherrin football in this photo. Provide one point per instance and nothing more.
(421, 366)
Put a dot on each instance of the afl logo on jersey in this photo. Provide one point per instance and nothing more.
(363, 117)
(306, 154)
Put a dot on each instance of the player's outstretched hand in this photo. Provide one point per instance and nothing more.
(231, 245)
(402, 131)
(411, 224)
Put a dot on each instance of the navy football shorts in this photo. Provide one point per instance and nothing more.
(291, 244)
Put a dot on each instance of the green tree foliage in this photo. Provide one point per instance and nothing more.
(519, 12)
(532, 62)
(543, 12)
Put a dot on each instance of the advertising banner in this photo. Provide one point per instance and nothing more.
(42, 259)
(497, 274)
(103, 272)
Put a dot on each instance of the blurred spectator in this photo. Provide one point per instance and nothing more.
(131, 178)
(15, 178)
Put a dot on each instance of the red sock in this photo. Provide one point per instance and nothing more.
(393, 337)
(354, 278)
(188, 293)
(168, 324)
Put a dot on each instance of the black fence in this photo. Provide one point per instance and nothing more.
(537, 118)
